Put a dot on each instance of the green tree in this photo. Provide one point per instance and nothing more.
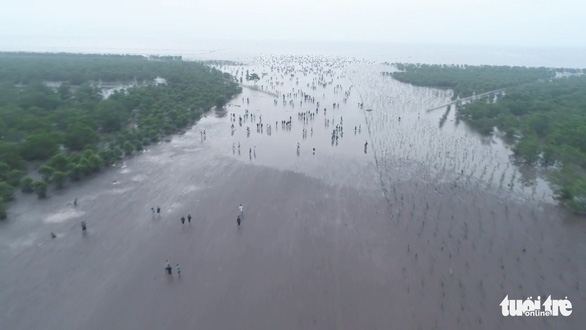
(95, 162)
(41, 189)
(76, 172)
(40, 146)
(528, 149)
(27, 185)
(254, 77)
(87, 96)
(107, 156)
(46, 171)
(86, 166)
(59, 162)
(6, 192)
(128, 148)
(220, 101)
(4, 169)
(110, 115)
(65, 118)
(117, 153)
(59, 179)
(13, 177)
(138, 146)
(3, 213)
(64, 91)
(38, 95)
(80, 136)
(10, 154)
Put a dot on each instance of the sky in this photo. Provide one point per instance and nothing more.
(533, 23)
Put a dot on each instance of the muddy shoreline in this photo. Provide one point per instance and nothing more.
(340, 239)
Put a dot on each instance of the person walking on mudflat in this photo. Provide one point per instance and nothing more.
(168, 267)
(189, 218)
(241, 209)
(238, 221)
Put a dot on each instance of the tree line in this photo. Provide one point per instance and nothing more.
(547, 120)
(56, 134)
(467, 80)
(545, 116)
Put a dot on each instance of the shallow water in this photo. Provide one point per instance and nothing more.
(477, 227)
(426, 227)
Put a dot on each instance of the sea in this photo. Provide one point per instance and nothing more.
(243, 50)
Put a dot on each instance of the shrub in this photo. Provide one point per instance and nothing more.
(27, 185)
(3, 213)
(46, 171)
(13, 177)
(6, 192)
(59, 179)
(41, 189)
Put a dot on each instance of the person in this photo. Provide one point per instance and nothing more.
(189, 218)
(178, 269)
(153, 210)
(238, 221)
(75, 202)
(241, 208)
(83, 226)
(183, 220)
(168, 267)
(158, 210)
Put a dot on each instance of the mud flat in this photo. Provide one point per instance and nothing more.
(429, 227)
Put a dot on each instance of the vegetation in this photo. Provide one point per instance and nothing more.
(27, 185)
(3, 213)
(6, 192)
(254, 77)
(41, 189)
(467, 80)
(546, 118)
(54, 118)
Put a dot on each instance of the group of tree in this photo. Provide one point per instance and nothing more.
(547, 120)
(254, 77)
(72, 131)
(467, 80)
(546, 117)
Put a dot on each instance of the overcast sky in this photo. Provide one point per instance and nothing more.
(488, 22)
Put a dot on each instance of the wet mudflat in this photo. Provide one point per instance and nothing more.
(426, 227)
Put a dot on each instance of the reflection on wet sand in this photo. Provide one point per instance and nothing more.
(361, 213)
